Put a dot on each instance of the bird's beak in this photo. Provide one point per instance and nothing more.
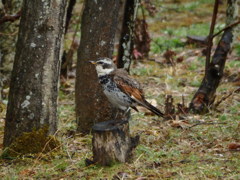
(92, 62)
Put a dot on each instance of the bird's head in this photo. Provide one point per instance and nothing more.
(104, 66)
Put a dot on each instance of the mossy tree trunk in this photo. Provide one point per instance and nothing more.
(99, 23)
(8, 36)
(34, 83)
(233, 16)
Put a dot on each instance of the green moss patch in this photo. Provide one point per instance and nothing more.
(37, 141)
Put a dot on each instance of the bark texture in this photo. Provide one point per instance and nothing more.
(126, 40)
(233, 11)
(233, 15)
(99, 22)
(205, 95)
(8, 36)
(34, 83)
(112, 142)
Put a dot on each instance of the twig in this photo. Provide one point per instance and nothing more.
(225, 97)
(207, 123)
(210, 36)
(227, 27)
(10, 17)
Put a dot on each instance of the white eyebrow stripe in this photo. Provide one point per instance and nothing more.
(105, 61)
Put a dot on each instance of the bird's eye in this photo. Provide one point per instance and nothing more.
(100, 62)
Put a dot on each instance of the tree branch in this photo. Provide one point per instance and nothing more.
(227, 27)
(10, 18)
(210, 36)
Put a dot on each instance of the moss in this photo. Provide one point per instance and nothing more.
(37, 141)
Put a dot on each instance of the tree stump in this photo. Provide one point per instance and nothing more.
(112, 142)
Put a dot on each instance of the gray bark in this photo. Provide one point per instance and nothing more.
(99, 22)
(233, 11)
(233, 16)
(126, 40)
(34, 83)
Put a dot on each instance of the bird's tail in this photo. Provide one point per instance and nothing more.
(152, 108)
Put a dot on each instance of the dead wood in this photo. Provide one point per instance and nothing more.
(198, 40)
(205, 95)
(112, 142)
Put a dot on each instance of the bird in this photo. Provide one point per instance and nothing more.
(123, 91)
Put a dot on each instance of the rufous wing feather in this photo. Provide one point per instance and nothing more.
(132, 88)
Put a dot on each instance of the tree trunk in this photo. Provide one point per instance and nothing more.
(99, 22)
(112, 142)
(205, 95)
(126, 41)
(66, 62)
(233, 15)
(8, 34)
(34, 83)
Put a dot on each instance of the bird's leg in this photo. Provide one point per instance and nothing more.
(116, 115)
(126, 113)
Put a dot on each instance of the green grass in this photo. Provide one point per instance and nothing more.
(172, 37)
(237, 46)
(194, 29)
(162, 44)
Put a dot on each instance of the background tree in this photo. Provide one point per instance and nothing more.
(34, 83)
(206, 93)
(99, 23)
(126, 40)
(233, 16)
(9, 13)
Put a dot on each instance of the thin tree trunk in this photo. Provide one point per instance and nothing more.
(34, 83)
(66, 64)
(99, 22)
(126, 41)
(205, 95)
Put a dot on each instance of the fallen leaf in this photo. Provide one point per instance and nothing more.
(179, 124)
(234, 146)
(27, 172)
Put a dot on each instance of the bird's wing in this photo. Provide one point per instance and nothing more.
(132, 88)
(128, 85)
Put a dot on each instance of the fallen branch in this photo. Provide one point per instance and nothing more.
(10, 18)
(207, 123)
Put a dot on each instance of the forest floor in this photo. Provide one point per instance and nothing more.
(199, 147)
